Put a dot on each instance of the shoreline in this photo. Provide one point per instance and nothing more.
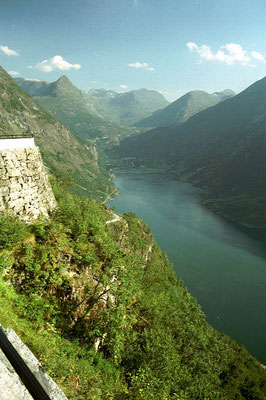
(256, 233)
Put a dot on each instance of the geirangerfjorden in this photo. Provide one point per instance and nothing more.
(88, 298)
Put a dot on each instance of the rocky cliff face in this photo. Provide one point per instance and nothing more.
(24, 186)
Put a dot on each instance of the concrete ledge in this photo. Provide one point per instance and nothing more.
(12, 387)
(16, 143)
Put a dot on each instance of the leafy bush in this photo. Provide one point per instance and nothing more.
(12, 231)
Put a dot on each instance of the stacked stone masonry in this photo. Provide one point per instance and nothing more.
(24, 186)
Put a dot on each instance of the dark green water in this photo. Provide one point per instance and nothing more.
(222, 267)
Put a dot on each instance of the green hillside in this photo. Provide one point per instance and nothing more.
(60, 149)
(184, 108)
(102, 301)
(221, 148)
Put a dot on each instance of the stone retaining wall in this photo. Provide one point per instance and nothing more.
(24, 186)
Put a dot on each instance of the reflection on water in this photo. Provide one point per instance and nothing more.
(221, 265)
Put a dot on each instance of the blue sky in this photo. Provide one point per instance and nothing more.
(168, 45)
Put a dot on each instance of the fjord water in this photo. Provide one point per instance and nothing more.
(224, 268)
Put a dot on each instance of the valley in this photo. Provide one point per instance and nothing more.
(133, 199)
(220, 148)
(97, 282)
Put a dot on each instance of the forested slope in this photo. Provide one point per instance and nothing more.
(102, 301)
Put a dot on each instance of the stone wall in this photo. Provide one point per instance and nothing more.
(24, 186)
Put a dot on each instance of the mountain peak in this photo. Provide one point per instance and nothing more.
(195, 93)
(63, 87)
(64, 80)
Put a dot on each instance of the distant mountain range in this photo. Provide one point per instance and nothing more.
(19, 114)
(103, 113)
(98, 113)
(79, 111)
(129, 107)
(184, 108)
(221, 148)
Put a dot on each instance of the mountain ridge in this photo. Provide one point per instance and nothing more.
(88, 113)
(183, 108)
(81, 112)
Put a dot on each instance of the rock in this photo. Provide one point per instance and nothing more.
(4, 191)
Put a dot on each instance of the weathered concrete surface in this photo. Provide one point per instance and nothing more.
(10, 384)
(16, 143)
(24, 186)
(11, 388)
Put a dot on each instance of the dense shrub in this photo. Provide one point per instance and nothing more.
(12, 231)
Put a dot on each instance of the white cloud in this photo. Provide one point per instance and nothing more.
(172, 96)
(123, 86)
(257, 56)
(8, 51)
(139, 65)
(56, 62)
(13, 73)
(230, 53)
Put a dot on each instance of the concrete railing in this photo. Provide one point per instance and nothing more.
(17, 361)
(30, 381)
(11, 143)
